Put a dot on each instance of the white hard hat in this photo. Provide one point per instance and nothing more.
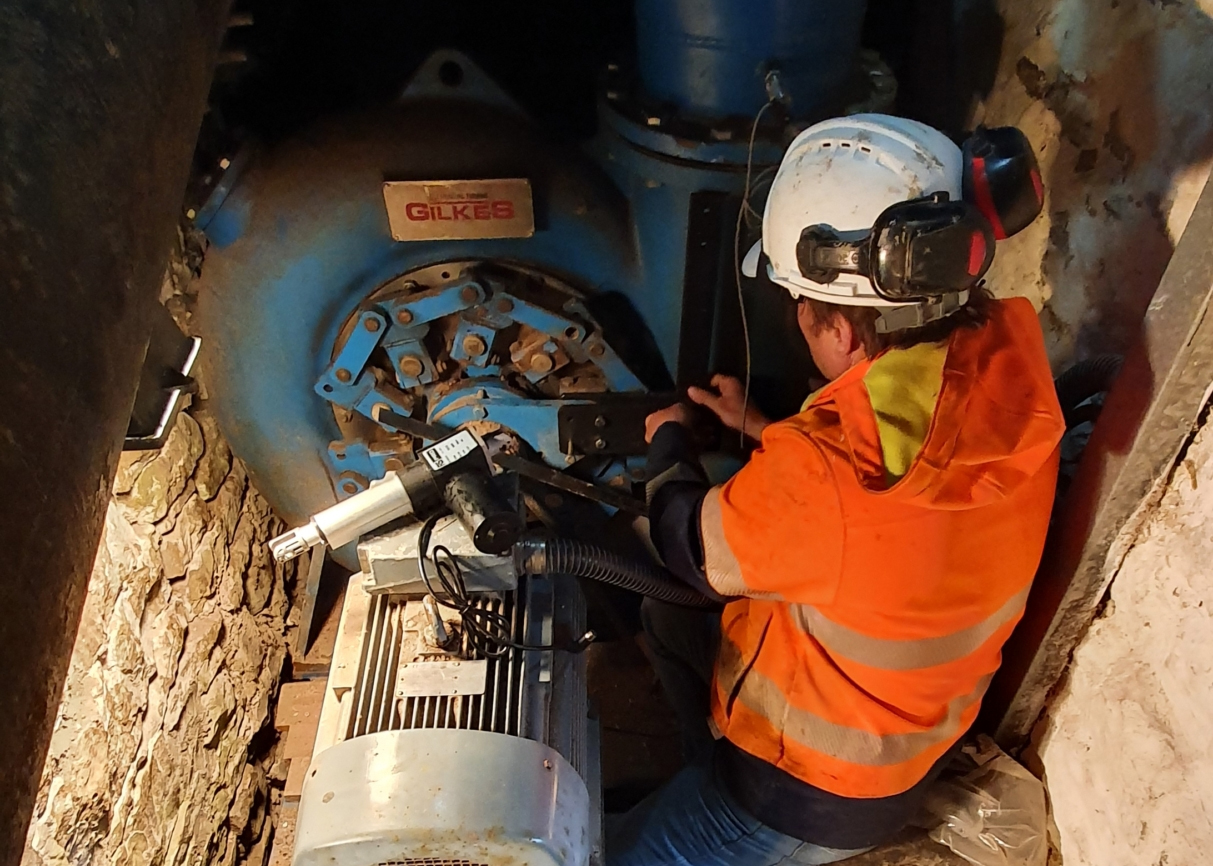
(843, 173)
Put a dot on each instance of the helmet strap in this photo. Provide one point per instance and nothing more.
(916, 315)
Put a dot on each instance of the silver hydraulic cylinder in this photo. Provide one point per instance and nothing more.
(453, 473)
(383, 501)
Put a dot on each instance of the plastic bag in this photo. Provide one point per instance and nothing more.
(988, 809)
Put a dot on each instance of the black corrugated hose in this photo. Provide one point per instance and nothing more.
(1083, 381)
(549, 556)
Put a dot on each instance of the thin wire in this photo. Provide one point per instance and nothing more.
(487, 631)
(745, 322)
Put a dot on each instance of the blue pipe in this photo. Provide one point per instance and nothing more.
(709, 58)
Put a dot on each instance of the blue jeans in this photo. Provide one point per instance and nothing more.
(692, 820)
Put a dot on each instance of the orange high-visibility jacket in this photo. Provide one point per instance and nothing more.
(875, 608)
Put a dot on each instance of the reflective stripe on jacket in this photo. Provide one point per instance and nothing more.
(876, 602)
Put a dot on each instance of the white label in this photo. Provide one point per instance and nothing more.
(449, 450)
(442, 679)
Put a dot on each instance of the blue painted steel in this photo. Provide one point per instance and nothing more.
(406, 343)
(354, 465)
(709, 58)
(303, 242)
(428, 306)
(492, 401)
(728, 154)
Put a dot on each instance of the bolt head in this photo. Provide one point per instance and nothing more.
(474, 345)
(350, 487)
(468, 295)
(344, 375)
(504, 305)
(412, 366)
(371, 324)
(541, 363)
(405, 316)
(600, 443)
(600, 422)
(598, 350)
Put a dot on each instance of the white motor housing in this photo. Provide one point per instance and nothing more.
(430, 755)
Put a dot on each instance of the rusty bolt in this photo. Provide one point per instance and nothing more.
(412, 366)
(393, 464)
(350, 487)
(598, 350)
(343, 375)
(600, 443)
(371, 324)
(474, 345)
(504, 305)
(405, 316)
(469, 295)
(541, 363)
(600, 422)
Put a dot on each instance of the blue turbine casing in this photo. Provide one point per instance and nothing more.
(709, 58)
(302, 239)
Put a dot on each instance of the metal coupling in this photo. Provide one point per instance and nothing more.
(531, 556)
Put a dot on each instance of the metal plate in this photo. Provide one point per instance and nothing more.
(424, 679)
(611, 424)
(459, 209)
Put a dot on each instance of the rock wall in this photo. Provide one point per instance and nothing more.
(161, 747)
(1115, 96)
(1126, 745)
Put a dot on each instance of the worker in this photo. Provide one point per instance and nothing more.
(877, 549)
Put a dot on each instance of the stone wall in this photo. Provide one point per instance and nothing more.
(162, 742)
(1115, 97)
(1126, 746)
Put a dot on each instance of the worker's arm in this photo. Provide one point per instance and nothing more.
(677, 485)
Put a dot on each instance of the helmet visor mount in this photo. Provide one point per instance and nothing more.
(916, 251)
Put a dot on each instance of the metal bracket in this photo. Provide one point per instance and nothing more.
(451, 75)
(164, 382)
(311, 588)
(608, 423)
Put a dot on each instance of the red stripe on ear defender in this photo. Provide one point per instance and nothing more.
(1038, 186)
(977, 253)
(985, 200)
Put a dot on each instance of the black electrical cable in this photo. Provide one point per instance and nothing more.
(581, 559)
(487, 631)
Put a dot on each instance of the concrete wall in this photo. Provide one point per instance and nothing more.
(1117, 98)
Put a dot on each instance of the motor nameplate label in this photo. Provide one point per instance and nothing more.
(440, 210)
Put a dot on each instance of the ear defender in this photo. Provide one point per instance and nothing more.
(1002, 179)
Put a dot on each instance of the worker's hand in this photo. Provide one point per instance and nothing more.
(679, 413)
(728, 403)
